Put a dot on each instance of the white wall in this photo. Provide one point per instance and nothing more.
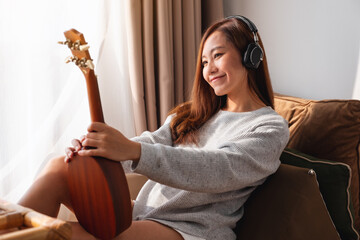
(312, 45)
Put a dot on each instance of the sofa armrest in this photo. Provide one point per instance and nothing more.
(135, 182)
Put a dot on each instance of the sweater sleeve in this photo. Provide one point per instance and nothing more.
(235, 163)
(161, 136)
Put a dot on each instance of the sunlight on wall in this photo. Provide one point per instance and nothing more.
(356, 93)
(311, 53)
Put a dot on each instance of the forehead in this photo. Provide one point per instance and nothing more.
(216, 39)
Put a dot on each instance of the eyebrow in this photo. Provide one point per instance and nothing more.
(213, 49)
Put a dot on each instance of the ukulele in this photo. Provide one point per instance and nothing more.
(98, 188)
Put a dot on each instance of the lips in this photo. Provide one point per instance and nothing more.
(216, 78)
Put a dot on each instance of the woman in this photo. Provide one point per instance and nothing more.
(205, 160)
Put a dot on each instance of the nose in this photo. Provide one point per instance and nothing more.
(210, 69)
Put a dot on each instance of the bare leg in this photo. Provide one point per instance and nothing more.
(139, 230)
(49, 189)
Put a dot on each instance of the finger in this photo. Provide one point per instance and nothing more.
(93, 135)
(77, 144)
(88, 152)
(69, 153)
(93, 143)
(67, 159)
(96, 127)
(82, 138)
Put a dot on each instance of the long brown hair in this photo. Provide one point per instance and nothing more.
(204, 103)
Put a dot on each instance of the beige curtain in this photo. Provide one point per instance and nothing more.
(211, 11)
(163, 41)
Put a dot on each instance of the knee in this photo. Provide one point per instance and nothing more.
(55, 172)
(57, 161)
(55, 165)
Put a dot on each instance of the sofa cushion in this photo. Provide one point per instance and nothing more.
(334, 184)
(287, 206)
(327, 129)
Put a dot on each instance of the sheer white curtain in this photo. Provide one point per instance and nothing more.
(43, 102)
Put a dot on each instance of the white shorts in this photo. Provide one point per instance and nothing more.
(189, 237)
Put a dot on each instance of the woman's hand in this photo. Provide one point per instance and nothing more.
(104, 141)
(71, 151)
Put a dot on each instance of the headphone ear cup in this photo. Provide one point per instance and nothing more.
(253, 56)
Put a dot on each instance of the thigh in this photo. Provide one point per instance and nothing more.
(49, 189)
(139, 230)
(149, 230)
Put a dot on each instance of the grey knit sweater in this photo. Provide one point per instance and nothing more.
(200, 190)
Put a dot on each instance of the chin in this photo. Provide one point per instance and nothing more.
(219, 93)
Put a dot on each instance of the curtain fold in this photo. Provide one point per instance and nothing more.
(164, 41)
(191, 21)
(178, 52)
(135, 58)
(164, 72)
(149, 67)
(211, 11)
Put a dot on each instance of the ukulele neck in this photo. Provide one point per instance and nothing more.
(92, 86)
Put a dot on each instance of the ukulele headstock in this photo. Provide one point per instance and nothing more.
(79, 48)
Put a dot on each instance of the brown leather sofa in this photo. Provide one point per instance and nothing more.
(297, 203)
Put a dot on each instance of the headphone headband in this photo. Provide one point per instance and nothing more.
(247, 21)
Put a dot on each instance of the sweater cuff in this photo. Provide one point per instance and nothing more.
(146, 161)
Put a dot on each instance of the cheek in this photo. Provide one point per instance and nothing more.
(205, 74)
(225, 64)
(236, 68)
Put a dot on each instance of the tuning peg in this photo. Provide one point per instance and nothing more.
(84, 47)
(69, 59)
(67, 42)
(80, 62)
(78, 46)
(75, 45)
(89, 64)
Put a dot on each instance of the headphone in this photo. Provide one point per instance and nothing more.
(254, 54)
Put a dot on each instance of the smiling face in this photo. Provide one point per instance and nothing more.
(222, 67)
